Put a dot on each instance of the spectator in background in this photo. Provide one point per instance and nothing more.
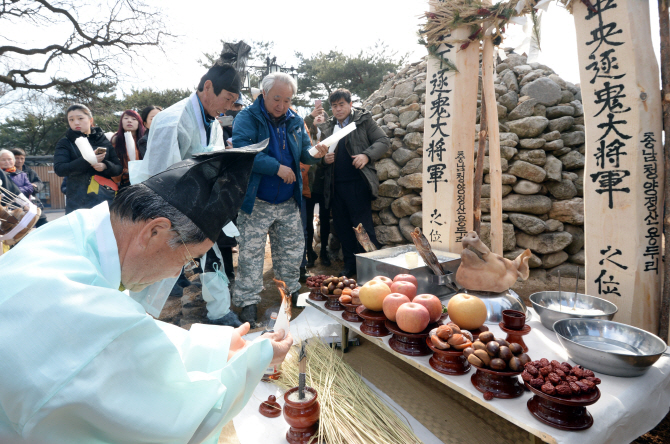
(147, 115)
(274, 194)
(350, 180)
(87, 185)
(7, 163)
(130, 122)
(313, 120)
(34, 179)
(232, 112)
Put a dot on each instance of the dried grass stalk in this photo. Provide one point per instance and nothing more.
(350, 411)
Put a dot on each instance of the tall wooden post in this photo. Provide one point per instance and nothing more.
(664, 27)
(623, 181)
(448, 150)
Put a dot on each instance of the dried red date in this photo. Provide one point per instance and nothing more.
(571, 378)
(578, 372)
(544, 362)
(588, 373)
(530, 368)
(553, 378)
(583, 387)
(575, 388)
(590, 384)
(563, 390)
(537, 383)
(594, 380)
(544, 371)
(526, 376)
(566, 364)
(548, 388)
(560, 373)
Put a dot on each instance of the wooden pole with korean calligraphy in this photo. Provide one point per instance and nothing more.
(448, 150)
(664, 21)
(479, 170)
(495, 170)
(623, 180)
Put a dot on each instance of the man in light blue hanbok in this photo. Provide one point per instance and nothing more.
(181, 131)
(81, 362)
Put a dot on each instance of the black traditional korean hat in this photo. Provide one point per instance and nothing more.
(208, 188)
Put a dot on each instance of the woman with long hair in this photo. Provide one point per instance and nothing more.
(147, 115)
(130, 122)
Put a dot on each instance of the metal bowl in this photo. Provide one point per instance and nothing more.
(496, 303)
(609, 347)
(543, 301)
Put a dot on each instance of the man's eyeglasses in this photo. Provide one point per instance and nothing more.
(192, 263)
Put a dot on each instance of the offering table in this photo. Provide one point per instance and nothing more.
(628, 407)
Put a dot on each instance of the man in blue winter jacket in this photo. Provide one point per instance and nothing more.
(272, 202)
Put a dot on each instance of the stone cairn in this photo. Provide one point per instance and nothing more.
(542, 158)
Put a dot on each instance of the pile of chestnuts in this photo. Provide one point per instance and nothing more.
(497, 354)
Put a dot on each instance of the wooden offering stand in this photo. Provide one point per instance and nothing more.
(333, 302)
(315, 294)
(448, 362)
(349, 313)
(270, 408)
(410, 344)
(302, 417)
(516, 335)
(562, 413)
(373, 322)
(503, 385)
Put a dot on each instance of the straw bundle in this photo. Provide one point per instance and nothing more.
(350, 411)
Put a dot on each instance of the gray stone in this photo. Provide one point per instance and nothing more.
(375, 219)
(553, 145)
(553, 225)
(509, 100)
(388, 118)
(415, 181)
(399, 132)
(416, 126)
(533, 260)
(578, 258)
(388, 234)
(507, 179)
(553, 135)
(561, 151)
(410, 107)
(509, 79)
(404, 90)
(416, 201)
(521, 70)
(531, 76)
(408, 117)
(486, 190)
(573, 138)
(573, 160)
(420, 88)
(567, 270)
(527, 170)
(567, 97)
(526, 204)
(390, 188)
(562, 123)
(570, 176)
(545, 90)
(412, 98)
(544, 243)
(391, 102)
(579, 108)
(503, 165)
(412, 167)
(500, 89)
(381, 202)
(577, 238)
(527, 187)
(523, 109)
(568, 211)
(536, 157)
(579, 183)
(554, 112)
(581, 128)
(387, 217)
(560, 82)
(554, 259)
(565, 189)
(530, 144)
(527, 223)
(509, 139)
(502, 112)
(417, 219)
(540, 110)
(507, 152)
(402, 207)
(487, 217)
(502, 67)
(514, 59)
(509, 238)
(528, 126)
(387, 169)
(413, 140)
(403, 155)
(406, 228)
(377, 109)
(397, 143)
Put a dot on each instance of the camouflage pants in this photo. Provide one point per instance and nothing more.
(287, 243)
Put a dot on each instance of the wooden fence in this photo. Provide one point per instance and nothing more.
(51, 196)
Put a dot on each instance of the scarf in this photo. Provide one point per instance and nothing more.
(10, 170)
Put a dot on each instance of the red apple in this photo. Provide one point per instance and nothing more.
(412, 317)
(372, 294)
(391, 304)
(406, 278)
(384, 279)
(432, 304)
(404, 287)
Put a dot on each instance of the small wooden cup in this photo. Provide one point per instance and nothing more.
(513, 319)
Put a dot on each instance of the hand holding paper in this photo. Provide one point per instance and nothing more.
(331, 142)
(86, 150)
(130, 145)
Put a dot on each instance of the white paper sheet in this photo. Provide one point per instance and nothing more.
(86, 150)
(283, 319)
(331, 141)
(130, 145)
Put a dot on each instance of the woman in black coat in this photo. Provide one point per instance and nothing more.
(87, 185)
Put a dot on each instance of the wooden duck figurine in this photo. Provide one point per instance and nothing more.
(491, 272)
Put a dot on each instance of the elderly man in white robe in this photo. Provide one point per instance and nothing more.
(80, 360)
